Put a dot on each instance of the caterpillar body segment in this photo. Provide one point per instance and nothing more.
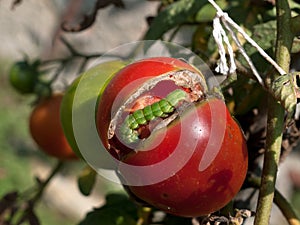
(148, 113)
(160, 109)
(176, 96)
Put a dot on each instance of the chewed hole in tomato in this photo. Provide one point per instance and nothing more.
(156, 106)
(165, 169)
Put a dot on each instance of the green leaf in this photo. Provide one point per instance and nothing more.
(118, 210)
(247, 95)
(296, 46)
(284, 91)
(264, 35)
(86, 180)
(208, 12)
(174, 15)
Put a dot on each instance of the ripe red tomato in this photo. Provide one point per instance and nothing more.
(46, 130)
(193, 192)
(138, 73)
(187, 164)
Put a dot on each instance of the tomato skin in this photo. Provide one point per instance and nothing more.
(46, 130)
(66, 116)
(190, 192)
(141, 69)
(23, 77)
(97, 76)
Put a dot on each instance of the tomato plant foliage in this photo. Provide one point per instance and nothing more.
(118, 210)
(244, 98)
(243, 95)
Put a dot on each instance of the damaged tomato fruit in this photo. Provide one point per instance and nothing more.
(177, 145)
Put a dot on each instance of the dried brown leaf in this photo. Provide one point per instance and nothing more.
(81, 14)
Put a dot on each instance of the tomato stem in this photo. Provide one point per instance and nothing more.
(275, 122)
(27, 207)
(282, 203)
(44, 183)
(286, 209)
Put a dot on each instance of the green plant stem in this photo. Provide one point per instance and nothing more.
(271, 160)
(275, 122)
(286, 209)
(41, 186)
(44, 184)
(282, 203)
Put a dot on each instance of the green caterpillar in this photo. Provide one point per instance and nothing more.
(159, 109)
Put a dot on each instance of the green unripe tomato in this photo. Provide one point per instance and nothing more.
(23, 77)
(97, 76)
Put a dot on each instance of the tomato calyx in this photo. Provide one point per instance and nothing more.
(144, 112)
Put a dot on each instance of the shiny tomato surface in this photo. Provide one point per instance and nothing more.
(191, 191)
(131, 76)
(46, 129)
(192, 166)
